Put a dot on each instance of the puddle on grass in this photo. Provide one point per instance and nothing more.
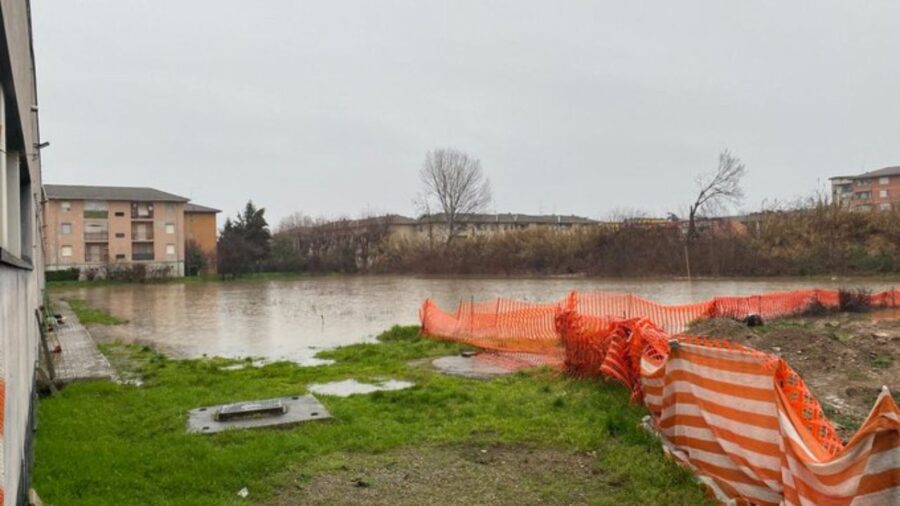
(309, 362)
(475, 367)
(350, 387)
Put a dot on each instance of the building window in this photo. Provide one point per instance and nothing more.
(96, 253)
(142, 251)
(65, 228)
(65, 251)
(170, 250)
(141, 210)
(96, 209)
(884, 180)
(16, 212)
(96, 230)
(882, 193)
(170, 228)
(863, 195)
(120, 214)
(120, 256)
(885, 206)
(120, 235)
(141, 232)
(65, 205)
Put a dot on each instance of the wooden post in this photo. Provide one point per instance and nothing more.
(51, 373)
(687, 260)
(471, 314)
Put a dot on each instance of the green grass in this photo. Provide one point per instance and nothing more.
(106, 443)
(89, 315)
(882, 361)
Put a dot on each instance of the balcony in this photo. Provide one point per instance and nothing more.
(141, 232)
(96, 214)
(141, 211)
(94, 258)
(96, 236)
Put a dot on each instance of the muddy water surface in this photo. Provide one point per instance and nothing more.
(294, 319)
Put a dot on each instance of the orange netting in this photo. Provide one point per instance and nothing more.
(705, 396)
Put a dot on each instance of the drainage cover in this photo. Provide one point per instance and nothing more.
(284, 411)
(243, 410)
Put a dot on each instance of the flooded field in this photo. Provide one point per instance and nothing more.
(293, 319)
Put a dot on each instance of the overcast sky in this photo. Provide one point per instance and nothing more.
(328, 107)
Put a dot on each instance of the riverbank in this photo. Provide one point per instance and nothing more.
(257, 277)
(107, 443)
(848, 280)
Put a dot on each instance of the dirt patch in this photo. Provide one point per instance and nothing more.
(498, 475)
(844, 358)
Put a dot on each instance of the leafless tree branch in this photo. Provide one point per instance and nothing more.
(456, 184)
(718, 190)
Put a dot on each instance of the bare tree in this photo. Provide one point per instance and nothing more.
(294, 221)
(717, 190)
(454, 181)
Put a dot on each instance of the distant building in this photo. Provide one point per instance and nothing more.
(200, 227)
(471, 225)
(21, 251)
(99, 228)
(394, 226)
(875, 190)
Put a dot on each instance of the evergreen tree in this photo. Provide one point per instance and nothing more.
(244, 243)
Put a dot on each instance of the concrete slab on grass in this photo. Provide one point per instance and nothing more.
(256, 414)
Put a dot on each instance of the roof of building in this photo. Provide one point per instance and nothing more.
(507, 218)
(190, 207)
(886, 171)
(131, 193)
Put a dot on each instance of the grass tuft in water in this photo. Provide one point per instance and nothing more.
(90, 315)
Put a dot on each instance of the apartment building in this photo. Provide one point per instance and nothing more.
(98, 229)
(200, 228)
(869, 191)
(21, 260)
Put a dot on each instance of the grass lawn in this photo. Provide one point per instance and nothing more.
(107, 443)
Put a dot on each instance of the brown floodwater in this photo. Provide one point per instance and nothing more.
(294, 319)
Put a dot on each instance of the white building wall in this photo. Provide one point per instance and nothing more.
(19, 296)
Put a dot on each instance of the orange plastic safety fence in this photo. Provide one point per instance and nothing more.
(627, 338)
(510, 325)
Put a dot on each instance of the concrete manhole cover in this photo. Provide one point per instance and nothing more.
(283, 411)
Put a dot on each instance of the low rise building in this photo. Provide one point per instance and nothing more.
(877, 190)
(21, 250)
(101, 229)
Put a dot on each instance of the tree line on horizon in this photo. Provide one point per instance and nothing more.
(805, 238)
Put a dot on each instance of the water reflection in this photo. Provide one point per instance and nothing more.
(293, 319)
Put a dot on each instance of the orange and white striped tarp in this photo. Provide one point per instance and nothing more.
(721, 411)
